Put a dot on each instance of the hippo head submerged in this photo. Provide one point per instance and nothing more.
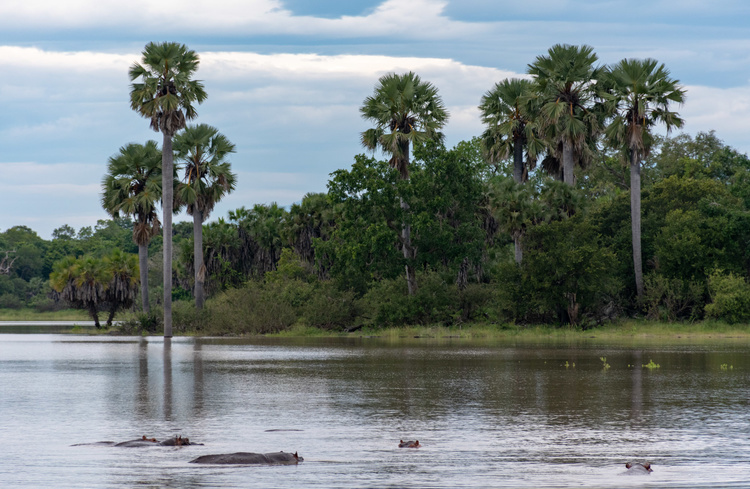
(638, 468)
(409, 444)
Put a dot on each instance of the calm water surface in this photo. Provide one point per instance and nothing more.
(488, 415)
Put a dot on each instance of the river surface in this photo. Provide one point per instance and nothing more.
(497, 415)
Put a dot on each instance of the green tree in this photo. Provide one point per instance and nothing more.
(260, 230)
(82, 282)
(511, 126)
(208, 178)
(166, 95)
(122, 288)
(314, 218)
(404, 110)
(565, 87)
(638, 95)
(132, 186)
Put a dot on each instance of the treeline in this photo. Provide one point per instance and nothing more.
(333, 260)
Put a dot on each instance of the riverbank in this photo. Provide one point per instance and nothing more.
(625, 329)
(33, 315)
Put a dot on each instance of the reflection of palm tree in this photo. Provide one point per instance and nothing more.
(132, 186)
(638, 94)
(564, 83)
(208, 178)
(405, 110)
(166, 95)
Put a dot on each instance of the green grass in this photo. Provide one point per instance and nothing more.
(32, 315)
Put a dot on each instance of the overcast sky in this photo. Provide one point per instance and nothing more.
(285, 79)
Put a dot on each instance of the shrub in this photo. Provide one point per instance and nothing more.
(670, 299)
(730, 295)
(436, 301)
(10, 301)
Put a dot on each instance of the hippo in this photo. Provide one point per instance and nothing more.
(175, 441)
(409, 444)
(637, 468)
(249, 458)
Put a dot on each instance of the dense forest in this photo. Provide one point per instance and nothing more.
(333, 260)
(568, 209)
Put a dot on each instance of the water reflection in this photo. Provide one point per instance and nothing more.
(500, 415)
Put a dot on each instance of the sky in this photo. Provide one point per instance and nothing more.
(285, 80)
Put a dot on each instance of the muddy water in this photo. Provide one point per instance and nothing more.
(487, 415)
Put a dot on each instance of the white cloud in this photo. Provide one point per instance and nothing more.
(726, 110)
(416, 18)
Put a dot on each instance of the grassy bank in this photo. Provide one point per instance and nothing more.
(618, 330)
(33, 315)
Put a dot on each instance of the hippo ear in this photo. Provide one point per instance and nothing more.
(402, 441)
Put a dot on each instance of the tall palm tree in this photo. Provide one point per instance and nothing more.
(208, 178)
(638, 95)
(510, 117)
(404, 110)
(564, 80)
(132, 186)
(165, 95)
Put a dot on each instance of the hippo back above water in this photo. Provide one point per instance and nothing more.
(249, 458)
(175, 441)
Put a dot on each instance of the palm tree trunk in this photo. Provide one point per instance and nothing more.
(111, 315)
(635, 220)
(568, 163)
(200, 269)
(518, 249)
(406, 247)
(95, 316)
(408, 251)
(167, 176)
(518, 161)
(143, 268)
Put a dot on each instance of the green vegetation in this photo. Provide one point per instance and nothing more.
(530, 230)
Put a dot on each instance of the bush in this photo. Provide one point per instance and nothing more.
(330, 308)
(10, 301)
(670, 299)
(388, 303)
(730, 295)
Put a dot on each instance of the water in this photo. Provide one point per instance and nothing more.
(499, 415)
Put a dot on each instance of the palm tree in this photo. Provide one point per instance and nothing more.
(132, 186)
(512, 207)
(208, 178)
(122, 288)
(511, 119)
(404, 110)
(313, 218)
(638, 94)
(564, 81)
(82, 282)
(511, 125)
(166, 95)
